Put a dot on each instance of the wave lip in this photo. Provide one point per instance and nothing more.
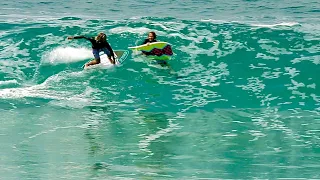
(286, 24)
(8, 82)
(255, 24)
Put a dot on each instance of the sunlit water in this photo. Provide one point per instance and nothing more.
(240, 99)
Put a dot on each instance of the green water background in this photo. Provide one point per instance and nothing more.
(246, 105)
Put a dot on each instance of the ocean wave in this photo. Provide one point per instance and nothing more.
(287, 24)
(256, 24)
(52, 89)
(9, 82)
(216, 21)
(125, 29)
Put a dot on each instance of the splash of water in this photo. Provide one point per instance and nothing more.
(62, 55)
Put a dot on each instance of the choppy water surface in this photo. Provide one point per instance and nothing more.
(240, 99)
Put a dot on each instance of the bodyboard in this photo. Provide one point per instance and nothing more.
(120, 57)
(155, 50)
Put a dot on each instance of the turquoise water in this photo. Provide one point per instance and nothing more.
(240, 99)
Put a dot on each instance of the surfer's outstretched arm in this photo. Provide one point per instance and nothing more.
(75, 37)
(79, 37)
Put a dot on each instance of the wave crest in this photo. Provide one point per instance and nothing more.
(62, 55)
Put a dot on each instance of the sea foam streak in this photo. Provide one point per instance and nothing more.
(62, 55)
(288, 24)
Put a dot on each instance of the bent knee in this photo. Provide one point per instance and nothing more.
(97, 60)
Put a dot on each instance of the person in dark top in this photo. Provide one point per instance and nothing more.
(99, 43)
(152, 37)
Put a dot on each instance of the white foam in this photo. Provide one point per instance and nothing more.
(60, 98)
(123, 29)
(216, 21)
(256, 24)
(276, 25)
(63, 55)
(291, 71)
(11, 49)
(8, 82)
(136, 17)
(314, 59)
(51, 89)
(16, 93)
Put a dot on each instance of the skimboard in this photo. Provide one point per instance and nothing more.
(155, 50)
(120, 57)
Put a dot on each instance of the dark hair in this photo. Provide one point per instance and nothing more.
(101, 37)
(154, 34)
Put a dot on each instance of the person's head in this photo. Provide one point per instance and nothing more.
(152, 36)
(102, 37)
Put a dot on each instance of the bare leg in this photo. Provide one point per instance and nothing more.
(112, 61)
(93, 62)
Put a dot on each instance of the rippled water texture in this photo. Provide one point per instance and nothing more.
(239, 100)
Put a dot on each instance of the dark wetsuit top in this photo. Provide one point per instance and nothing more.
(96, 44)
(161, 62)
(147, 41)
